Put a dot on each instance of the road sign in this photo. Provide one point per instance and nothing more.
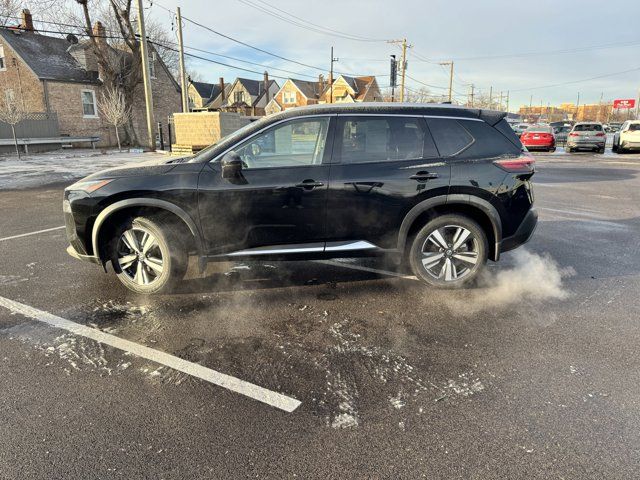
(624, 103)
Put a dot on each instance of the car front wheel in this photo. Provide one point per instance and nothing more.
(449, 251)
(146, 256)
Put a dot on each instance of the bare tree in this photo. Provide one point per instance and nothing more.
(9, 9)
(12, 112)
(115, 110)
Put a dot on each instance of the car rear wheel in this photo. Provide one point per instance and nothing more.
(449, 252)
(147, 257)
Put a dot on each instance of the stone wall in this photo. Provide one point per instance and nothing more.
(22, 81)
(201, 129)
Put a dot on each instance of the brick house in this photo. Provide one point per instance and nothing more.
(296, 93)
(352, 89)
(249, 97)
(51, 74)
(202, 95)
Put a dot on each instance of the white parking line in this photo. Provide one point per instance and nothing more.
(367, 269)
(31, 233)
(247, 389)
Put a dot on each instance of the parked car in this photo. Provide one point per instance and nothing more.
(520, 128)
(444, 188)
(539, 137)
(561, 133)
(586, 136)
(613, 127)
(628, 138)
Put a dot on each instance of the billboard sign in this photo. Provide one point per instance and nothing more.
(624, 103)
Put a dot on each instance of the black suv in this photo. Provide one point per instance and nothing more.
(443, 187)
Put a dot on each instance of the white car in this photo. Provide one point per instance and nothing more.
(628, 137)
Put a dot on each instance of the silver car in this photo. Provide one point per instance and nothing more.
(587, 136)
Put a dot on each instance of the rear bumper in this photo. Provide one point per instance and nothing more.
(87, 258)
(586, 144)
(523, 233)
(630, 145)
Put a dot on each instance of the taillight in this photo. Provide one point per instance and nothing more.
(574, 135)
(524, 163)
(601, 134)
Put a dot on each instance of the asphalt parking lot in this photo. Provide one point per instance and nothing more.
(533, 374)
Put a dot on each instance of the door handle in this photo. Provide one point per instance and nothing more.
(424, 176)
(309, 184)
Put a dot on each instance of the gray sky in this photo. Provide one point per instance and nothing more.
(439, 30)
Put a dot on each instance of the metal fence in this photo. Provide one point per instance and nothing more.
(36, 125)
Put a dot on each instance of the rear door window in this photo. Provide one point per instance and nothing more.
(380, 139)
(450, 136)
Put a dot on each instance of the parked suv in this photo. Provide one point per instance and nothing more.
(444, 188)
(628, 138)
(587, 136)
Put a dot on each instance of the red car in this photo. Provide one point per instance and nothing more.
(539, 137)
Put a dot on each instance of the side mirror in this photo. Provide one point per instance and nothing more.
(231, 165)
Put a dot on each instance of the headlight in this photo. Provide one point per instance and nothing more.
(90, 186)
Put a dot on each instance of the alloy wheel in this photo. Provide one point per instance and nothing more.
(140, 256)
(450, 253)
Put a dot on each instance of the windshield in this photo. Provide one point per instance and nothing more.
(588, 127)
(634, 127)
(539, 129)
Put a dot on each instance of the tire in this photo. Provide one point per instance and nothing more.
(601, 150)
(552, 149)
(569, 150)
(614, 148)
(164, 261)
(428, 255)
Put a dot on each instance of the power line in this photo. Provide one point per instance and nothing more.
(302, 23)
(578, 81)
(549, 52)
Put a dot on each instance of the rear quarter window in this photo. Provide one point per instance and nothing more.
(489, 142)
(450, 136)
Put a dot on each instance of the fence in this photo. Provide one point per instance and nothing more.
(36, 125)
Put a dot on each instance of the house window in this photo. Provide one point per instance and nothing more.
(3, 62)
(289, 97)
(89, 104)
(152, 65)
(238, 97)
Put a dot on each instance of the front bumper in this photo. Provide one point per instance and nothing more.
(523, 233)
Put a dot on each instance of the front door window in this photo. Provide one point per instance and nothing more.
(291, 144)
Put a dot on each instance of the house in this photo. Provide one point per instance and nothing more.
(250, 97)
(296, 93)
(202, 95)
(352, 89)
(52, 74)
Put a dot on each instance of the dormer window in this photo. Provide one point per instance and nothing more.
(238, 97)
(3, 62)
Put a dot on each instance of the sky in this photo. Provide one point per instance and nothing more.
(506, 45)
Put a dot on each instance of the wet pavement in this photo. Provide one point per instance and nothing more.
(533, 374)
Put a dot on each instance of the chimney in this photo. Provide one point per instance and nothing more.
(266, 85)
(222, 88)
(99, 32)
(27, 20)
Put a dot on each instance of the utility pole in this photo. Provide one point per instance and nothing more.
(500, 104)
(403, 63)
(530, 103)
(507, 101)
(491, 97)
(183, 73)
(450, 63)
(148, 94)
(333, 59)
(472, 95)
